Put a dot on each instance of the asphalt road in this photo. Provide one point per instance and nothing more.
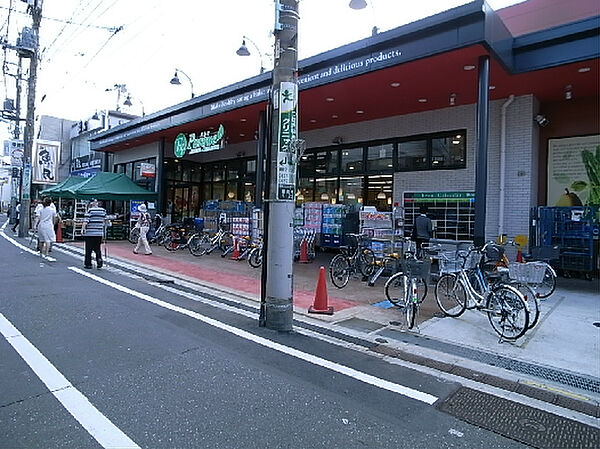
(147, 367)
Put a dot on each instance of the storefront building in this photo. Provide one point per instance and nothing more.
(393, 119)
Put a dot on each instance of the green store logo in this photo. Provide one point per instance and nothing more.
(180, 145)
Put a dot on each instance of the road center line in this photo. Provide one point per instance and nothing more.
(98, 426)
(350, 372)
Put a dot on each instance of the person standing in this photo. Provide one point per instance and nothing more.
(17, 216)
(144, 221)
(93, 232)
(422, 231)
(45, 226)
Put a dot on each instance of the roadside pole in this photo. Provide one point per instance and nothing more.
(36, 15)
(277, 312)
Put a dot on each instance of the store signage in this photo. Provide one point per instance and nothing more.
(199, 143)
(86, 163)
(439, 196)
(147, 170)
(46, 156)
(26, 191)
(288, 132)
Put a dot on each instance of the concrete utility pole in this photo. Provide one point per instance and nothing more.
(277, 309)
(36, 15)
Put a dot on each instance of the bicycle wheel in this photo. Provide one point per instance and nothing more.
(133, 235)
(507, 312)
(421, 290)
(366, 262)
(198, 244)
(255, 257)
(160, 236)
(339, 271)
(411, 313)
(169, 242)
(396, 289)
(533, 303)
(548, 284)
(450, 295)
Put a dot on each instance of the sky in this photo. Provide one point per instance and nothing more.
(83, 59)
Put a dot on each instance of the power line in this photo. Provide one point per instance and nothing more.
(68, 22)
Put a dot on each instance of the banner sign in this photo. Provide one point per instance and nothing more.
(574, 171)
(11, 145)
(288, 132)
(46, 156)
(201, 143)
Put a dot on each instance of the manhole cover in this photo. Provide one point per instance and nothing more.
(519, 422)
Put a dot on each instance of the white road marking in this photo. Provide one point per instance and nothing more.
(98, 426)
(350, 372)
(23, 247)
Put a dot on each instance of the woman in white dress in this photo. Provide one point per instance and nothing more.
(45, 225)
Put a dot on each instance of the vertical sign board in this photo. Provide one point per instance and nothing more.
(46, 157)
(26, 191)
(288, 131)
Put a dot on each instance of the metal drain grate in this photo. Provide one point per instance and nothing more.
(580, 381)
(519, 422)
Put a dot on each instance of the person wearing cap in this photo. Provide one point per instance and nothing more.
(144, 221)
(93, 232)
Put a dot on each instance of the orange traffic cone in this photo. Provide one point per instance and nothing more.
(303, 252)
(236, 250)
(59, 237)
(320, 302)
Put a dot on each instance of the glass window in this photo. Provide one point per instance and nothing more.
(327, 162)
(307, 165)
(218, 172)
(250, 167)
(206, 191)
(232, 189)
(351, 190)
(305, 190)
(196, 173)
(448, 151)
(248, 192)
(324, 163)
(218, 191)
(412, 155)
(326, 190)
(380, 158)
(352, 160)
(379, 192)
(233, 170)
(186, 171)
(129, 170)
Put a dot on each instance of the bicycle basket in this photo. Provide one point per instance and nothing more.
(493, 253)
(416, 268)
(531, 272)
(545, 252)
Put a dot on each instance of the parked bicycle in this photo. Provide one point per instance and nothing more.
(158, 236)
(543, 285)
(505, 306)
(179, 237)
(204, 243)
(255, 257)
(352, 260)
(408, 288)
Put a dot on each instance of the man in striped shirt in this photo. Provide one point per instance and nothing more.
(93, 231)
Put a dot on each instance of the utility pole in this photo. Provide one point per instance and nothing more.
(16, 171)
(276, 310)
(36, 15)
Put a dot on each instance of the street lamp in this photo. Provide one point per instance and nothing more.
(121, 89)
(128, 103)
(175, 79)
(362, 4)
(243, 51)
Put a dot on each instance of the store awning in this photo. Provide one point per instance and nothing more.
(60, 189)
(101, 186)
